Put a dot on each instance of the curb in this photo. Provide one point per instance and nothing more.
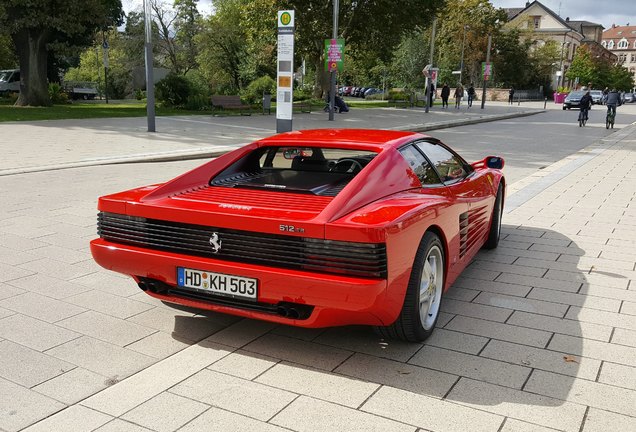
(182, 155)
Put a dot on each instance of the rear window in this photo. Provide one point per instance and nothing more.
(300, 169)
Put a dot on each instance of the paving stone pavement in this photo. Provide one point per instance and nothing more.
(537, 335)
(56, 144)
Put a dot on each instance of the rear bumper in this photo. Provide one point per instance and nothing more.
(332, 300)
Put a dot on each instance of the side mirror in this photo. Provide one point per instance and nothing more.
(494, 162)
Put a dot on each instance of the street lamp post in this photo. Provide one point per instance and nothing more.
(427, 91)
(332, 86)
(560, 77)
(150, 81)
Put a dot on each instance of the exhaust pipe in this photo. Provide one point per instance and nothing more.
(142, 284)
(282, 311)
(292, 313)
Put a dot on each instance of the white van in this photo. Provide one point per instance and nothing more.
(9, 81)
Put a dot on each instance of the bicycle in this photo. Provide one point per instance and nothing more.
(611, 116)
(582, 117)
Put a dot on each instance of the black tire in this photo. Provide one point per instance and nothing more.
(420, 309)
(495, 225)
(607, 124)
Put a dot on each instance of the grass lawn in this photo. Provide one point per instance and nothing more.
(99, 109)
(79, 110)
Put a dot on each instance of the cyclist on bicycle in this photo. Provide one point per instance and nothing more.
(613, 100)
(586, 103)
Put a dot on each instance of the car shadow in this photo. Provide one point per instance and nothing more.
(507, 337)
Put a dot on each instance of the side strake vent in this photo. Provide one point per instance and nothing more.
(367, 260)
(463, 233)
(472, 228)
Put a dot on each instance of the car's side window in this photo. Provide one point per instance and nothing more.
(420, 166)
(449, 166)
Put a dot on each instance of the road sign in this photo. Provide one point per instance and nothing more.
(334, 55)
(285, 71)
(487, 70)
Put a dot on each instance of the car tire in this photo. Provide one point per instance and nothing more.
(563, 108)
(495, 226)
(421, 306)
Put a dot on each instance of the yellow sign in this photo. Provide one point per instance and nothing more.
(284, 81)
(285, 18)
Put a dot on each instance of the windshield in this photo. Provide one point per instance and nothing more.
(299, 169)
(576, 94)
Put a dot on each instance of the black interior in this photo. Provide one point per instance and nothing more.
(313, 174)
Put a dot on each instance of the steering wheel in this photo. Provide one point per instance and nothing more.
(346, 165)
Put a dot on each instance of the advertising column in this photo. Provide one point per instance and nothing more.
(285, 74)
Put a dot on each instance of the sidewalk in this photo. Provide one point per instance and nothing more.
(538, 335)
(57, 144)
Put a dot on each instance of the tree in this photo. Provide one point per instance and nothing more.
(8, 60)
(222, 48)
(544, 59)
(37, 26)
(620, 78)
(510, 57)
(372, 27)
(187, 25)
(470, 21)
(584, 68)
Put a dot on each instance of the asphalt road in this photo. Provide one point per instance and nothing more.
(527, 144)
(532, 143)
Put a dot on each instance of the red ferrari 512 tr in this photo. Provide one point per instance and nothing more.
(312, 228)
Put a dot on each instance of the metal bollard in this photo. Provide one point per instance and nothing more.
(545, 101)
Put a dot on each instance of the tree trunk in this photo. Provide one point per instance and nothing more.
(30, 45)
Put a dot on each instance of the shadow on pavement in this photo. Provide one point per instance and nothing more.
(502, 344)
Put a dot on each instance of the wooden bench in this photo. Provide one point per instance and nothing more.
(303, 106)
(226, 102)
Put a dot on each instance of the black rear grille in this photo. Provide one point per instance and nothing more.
(328, 256)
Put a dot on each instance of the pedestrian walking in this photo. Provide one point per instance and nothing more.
(471, 94)
(459, 94)
(511, 95)
(431, 94)
(445, 95)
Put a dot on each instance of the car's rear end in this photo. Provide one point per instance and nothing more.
(259, 242)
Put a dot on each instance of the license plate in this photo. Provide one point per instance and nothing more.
(217, 283)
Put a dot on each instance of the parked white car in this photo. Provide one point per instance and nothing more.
(9, 81)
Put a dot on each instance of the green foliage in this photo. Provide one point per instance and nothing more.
(583, 67)
(265, 84)
(466, 23)
(197, 102)
(57, 95)
(620, 78)
(599, 72)
(173, 90)
(8, 59)
(398, 95)
(186, 25)
(513, 65)
(44, 28)
(222, 50)
(119, 73)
